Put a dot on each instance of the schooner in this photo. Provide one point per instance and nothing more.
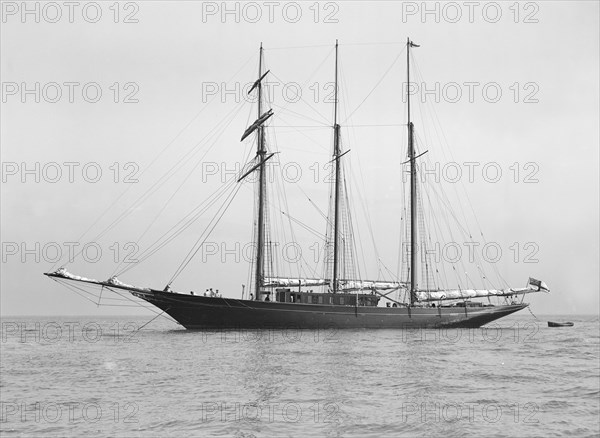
(340, 301)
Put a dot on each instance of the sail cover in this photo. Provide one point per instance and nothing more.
(62, 272)
(459, 294)
(369, 284)
(345, 285)
(112, 281)
(294, 282)
(262, 119)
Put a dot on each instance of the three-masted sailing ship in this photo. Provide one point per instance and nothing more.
(340, 302)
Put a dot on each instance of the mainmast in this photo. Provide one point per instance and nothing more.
(260, 152)
(413, 185)
(336, 155)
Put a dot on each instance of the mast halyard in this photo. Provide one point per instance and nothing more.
(260, 152)
(413, 185)
(336, 154)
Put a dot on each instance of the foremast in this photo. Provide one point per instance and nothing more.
(260, 153)
(261, 158)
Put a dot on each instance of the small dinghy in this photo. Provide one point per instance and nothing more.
(560, 324)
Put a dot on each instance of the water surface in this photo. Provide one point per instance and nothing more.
(74, 376)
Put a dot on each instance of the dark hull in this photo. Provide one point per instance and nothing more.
(198, 312)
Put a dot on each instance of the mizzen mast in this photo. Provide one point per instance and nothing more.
(336, 155)
(413, 184)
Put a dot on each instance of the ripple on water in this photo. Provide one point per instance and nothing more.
(359, 383)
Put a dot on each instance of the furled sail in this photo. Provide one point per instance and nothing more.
(112, 281)
(459, 294)
(258, 81)
(294, 282)
(62, 272)
(253, 127)
(350, 285)
(344, 285)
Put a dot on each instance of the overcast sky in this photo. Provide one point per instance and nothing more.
(164, 68)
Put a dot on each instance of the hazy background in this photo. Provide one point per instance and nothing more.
(173, 53)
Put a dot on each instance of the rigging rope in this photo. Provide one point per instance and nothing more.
(193, 252)
(375, 86)
(154, 160)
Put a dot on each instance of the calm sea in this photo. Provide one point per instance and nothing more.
(107, 377)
